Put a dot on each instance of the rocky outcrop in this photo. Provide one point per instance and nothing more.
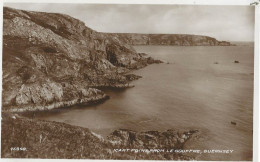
(152, 139)
(169, 39)
(52, 60)
(30, 138)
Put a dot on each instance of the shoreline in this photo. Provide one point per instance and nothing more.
(36, 137)
(231, 45)
(57, 105)
(99, 98)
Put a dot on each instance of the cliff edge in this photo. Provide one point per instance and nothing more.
(30, 138)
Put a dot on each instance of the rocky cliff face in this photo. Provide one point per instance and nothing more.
(169, 39)
(52, 60)
(46, 139)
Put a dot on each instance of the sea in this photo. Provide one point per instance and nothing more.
(197, 87)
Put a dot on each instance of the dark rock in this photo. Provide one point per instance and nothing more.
(236, 61)
(132, 77)
(143, 54)
(173, 139)
(150, 60)
(52, 140)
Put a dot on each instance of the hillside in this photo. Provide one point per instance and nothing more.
(169, 39)
(29, 138)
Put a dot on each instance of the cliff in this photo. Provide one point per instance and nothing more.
(53, 60)
(30, 138)
(169, 39)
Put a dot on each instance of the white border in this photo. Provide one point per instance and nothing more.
(182, 2)
(256, 112)
(188, 2)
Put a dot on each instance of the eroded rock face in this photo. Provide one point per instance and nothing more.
(49, 95)
(172, 139)
(47, 139)
(53, 59)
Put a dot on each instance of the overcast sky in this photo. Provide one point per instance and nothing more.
(231, 23)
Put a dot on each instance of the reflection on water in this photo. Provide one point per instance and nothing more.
(191, 91)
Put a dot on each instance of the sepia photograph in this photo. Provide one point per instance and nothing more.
(127, 81)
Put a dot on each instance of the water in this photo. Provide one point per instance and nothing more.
(189, 92)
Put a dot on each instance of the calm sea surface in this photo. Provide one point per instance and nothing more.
(192, 91)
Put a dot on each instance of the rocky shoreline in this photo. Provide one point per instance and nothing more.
(32, 138)
(80, 101)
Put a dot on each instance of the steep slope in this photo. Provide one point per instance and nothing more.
(52, 60)
(169, 39)
(27, 138)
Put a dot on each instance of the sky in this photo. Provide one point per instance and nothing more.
(229, 23)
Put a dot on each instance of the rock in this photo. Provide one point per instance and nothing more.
(150, 139)
(150, 60)
(143, 54)
(55, 140)
(236, 61)
(234, 123)
(224, 43)
(132, 77)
